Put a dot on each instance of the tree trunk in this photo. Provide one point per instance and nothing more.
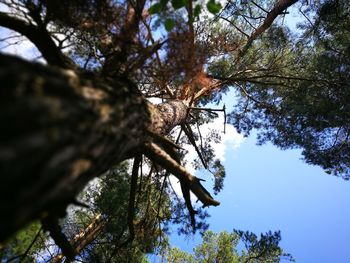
(60, 129)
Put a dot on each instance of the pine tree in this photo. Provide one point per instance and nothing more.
(87, 108)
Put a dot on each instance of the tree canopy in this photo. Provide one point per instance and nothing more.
(86, 108)
(224, 247)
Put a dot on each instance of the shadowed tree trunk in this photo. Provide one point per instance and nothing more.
(62, 129)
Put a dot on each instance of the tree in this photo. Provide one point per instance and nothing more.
(100, 232)
(222, 247)
(111, 234)
(302, 100)
(87, 109)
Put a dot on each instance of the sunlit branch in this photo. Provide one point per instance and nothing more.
(208, 89)
(279, 7)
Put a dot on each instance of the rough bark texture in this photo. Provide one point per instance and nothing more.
(168, 115)
(59, 130)
(62, 128)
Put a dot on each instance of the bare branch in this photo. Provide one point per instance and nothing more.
(85, 237)
(188, 131)
(155, 153)
(236, 27)
(39, 37)
(260, 7)
(279, 7)
(132, 195)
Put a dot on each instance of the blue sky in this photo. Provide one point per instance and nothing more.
(269, 189)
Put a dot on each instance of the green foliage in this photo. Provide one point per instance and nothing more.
(295, 91)
(163, 10)
(156, 8)
(263, 249)
(175, 255)
(155, 208)
(219, 176)
(24, 244)
(217, 248)
(169, 24)
(112, 200)
(213, 7)
(223, 248)
(197, 10)
(177, 4)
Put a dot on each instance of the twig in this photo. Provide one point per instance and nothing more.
(31, 244)
(260, 7)
(188, 131)
(206, 109)
(224, 109)
(236, 27)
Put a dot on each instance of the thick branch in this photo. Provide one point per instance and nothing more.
(51, 224)
(132, 196)
(279, 7)
(115, 62)
(39, 37)
(166, 116)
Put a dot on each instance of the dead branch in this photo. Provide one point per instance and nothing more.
(155, 153)
(189, 133)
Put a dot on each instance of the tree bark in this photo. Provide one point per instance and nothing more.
(59, 130)
(62, 128)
